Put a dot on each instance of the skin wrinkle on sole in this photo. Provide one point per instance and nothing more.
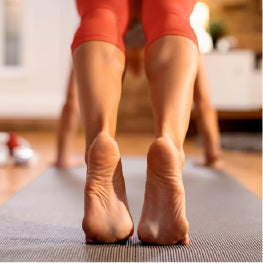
(156, 224)
(105, 194)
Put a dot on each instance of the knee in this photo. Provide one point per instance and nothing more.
(156, 62)
(203, 105)
(71, 107)
(159, 57)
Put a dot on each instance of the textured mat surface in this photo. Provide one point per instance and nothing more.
(242, 141)
(43, 221)
(250, 142)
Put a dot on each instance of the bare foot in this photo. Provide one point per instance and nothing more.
(216, 164)
(69, 162)
(106, 218)
(163, 219)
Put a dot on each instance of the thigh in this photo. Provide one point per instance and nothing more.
(157, 7)
(119, 7)
(167, 17)
(102, 20)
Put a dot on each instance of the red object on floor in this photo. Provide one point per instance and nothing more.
(13, 141)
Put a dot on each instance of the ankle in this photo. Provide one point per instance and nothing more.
(177, 146)
(213, 157)
(163, 150)
(100, 145)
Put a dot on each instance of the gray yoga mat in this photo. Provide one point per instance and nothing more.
(249, 142)
(43, 221)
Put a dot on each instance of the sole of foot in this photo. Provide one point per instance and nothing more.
(106, 213)
(163, 220)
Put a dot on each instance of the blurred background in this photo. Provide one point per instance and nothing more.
(35, 64)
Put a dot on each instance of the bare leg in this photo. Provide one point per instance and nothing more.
(171, 64)
(99, 68)
(206, 119)
(68, 126)
(135, 61)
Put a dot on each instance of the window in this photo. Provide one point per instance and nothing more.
(11, 16)
(199, 21)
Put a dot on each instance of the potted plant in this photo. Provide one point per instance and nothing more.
(216, 29)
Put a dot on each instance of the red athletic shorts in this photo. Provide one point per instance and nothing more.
(107, 20)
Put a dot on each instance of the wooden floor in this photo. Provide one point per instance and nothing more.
(245, 167)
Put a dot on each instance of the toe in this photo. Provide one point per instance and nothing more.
(89, 241)
(185, 241)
